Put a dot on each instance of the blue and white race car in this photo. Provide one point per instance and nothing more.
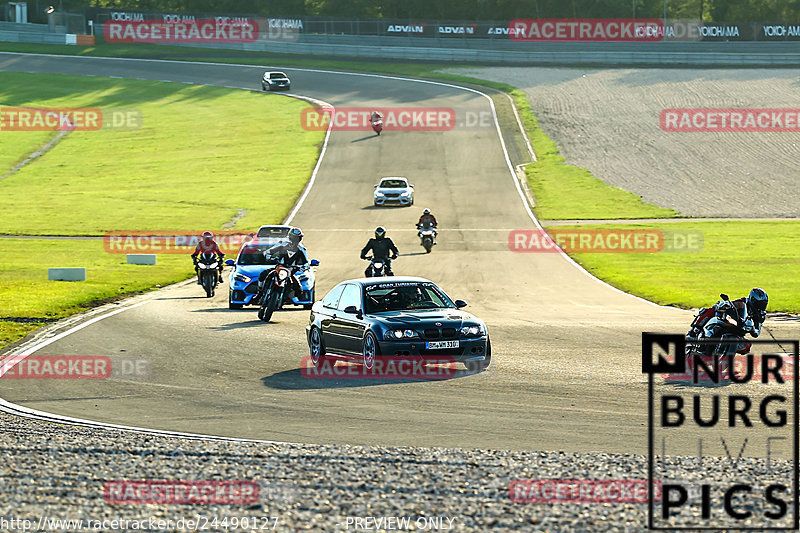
(252, 261)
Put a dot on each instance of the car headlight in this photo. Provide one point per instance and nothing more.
(395, 334)
(404, 193)
(241, 277)
(378, 193)
(472, 331)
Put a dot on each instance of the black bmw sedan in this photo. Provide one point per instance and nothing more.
(398, 317)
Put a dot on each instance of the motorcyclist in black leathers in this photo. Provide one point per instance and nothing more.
(748, 314)
(289, 254)
(381, 246)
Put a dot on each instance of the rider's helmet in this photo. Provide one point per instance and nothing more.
(426, 211)
(380, 232)
(756, 302)
(208, 237)
(295, 236)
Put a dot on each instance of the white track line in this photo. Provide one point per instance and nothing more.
(16, 409)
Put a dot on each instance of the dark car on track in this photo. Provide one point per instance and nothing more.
(275, 81)
(395, 317)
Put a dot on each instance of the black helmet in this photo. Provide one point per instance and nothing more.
(426, 211)
(295, 235)
(757, 301)
(380, 232)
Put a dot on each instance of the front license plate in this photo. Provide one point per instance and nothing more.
(438, 345)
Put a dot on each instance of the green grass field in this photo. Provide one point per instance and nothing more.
(735, 257)
(26, 293)
(201, 154)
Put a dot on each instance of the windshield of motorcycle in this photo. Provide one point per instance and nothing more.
(208, 258)
(404, 296)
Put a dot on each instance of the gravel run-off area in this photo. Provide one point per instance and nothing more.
(607, 121)
(59, 472)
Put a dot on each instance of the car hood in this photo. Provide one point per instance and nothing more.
(393, 189)
(252, 271)
(452, 318)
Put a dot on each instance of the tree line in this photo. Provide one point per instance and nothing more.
(497, 10)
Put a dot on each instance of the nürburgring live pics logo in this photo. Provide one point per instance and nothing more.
(701, 425)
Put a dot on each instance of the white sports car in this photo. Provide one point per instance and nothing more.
(394, 190)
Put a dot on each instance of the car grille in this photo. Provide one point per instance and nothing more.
(431, 333)
(393, 195)
(252, 288)
(434, 333)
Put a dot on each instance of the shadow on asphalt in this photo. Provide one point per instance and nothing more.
(368, 137)
(379, 207)
(294, 380)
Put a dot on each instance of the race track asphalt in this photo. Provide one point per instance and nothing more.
(566, 372)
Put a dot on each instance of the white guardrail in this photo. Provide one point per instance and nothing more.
(770, 56)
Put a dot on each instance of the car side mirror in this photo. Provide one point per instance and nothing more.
(314, 262)
(375, 186)
(411, 185)
(230, 262)
(352, 310)
(461, 303)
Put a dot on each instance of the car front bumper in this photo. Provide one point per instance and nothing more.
(243, 293)
(393, 201)
(470, 349)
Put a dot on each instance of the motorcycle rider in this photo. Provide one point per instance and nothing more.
(427, 219)
(207, 245)
(374, 120)
(380, 245)
(290, 254)
(749, 314)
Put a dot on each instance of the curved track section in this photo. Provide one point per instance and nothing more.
(566, 369)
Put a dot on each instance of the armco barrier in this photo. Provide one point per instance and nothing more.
(765, 54)
(36, 37)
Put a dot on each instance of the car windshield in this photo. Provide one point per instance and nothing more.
(277, 75)
(401, 296)
(394, 184)
(274, 233)
(254, 255)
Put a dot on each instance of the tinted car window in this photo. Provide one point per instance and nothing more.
(277, 233)
(253, 255)
(277, 75)
(404, 296)
(333, 297)
(350, 296)
(394, 184)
